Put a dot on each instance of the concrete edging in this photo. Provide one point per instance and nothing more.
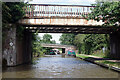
(102, 65)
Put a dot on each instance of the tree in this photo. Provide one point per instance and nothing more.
(53, 42)
(108, 12)
(94, 42)
(79, 43)
(36, 46)
(47, 38)
(67, 39)
(12, 12)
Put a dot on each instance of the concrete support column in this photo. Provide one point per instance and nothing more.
(24, 48)
(9, 47)
(115, 45)
(15, 50)
(27, 55)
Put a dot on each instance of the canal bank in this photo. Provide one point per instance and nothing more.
(103, 62)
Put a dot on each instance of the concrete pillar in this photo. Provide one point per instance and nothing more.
(24, 48)
(27, 54)
(115, 45)
(9, 47)
(16, 50)
(19, 50)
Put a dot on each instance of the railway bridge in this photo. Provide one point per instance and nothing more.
(48, 18)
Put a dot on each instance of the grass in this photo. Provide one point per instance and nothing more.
(109, 63)
(82, 56)
(99, 53)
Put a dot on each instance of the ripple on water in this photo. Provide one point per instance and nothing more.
(58, 67)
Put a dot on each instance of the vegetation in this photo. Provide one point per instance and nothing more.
(11, 14)
(87, 43)
(67, 39)
(100, 53)
(79, 43)
(108, 12)
(36, 46)
(38, 50)
(47, 39)
(82, 56)
(94, 42)
(109, 63)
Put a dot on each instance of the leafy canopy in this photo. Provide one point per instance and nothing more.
(67, 39)
(47, 39)
(108, 12)
(12, 12)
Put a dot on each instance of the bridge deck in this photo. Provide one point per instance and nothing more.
(56, 45)
(61, 19)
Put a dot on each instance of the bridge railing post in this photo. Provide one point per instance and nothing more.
(42, 10)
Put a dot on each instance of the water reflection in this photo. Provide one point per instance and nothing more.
(58, 67)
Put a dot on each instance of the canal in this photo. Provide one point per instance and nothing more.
(59, 67)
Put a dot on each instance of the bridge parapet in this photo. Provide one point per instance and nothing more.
(61, 19)
(48, 11)
(56, 45)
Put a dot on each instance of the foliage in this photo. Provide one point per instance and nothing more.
(38, 50)
(94, 42)
(108, 12)
(79, 43)
(53, 42)
(47, 39)
(99, 53)
(36, 46)
(20, 30)
(90, 43)
(86, 43)
(67, 39)
(11, 14)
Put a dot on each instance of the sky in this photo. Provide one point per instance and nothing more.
(66, 2)
(56, 36)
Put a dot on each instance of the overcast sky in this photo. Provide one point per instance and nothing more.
(67, 2)
(56, 36)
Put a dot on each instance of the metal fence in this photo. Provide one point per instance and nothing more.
(48, 11)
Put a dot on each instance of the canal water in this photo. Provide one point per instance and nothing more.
(59, 67)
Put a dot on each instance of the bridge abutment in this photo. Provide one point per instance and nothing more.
(115, 45)
(27, 54)
(24, 48)
(9, 47)
(16, 50)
